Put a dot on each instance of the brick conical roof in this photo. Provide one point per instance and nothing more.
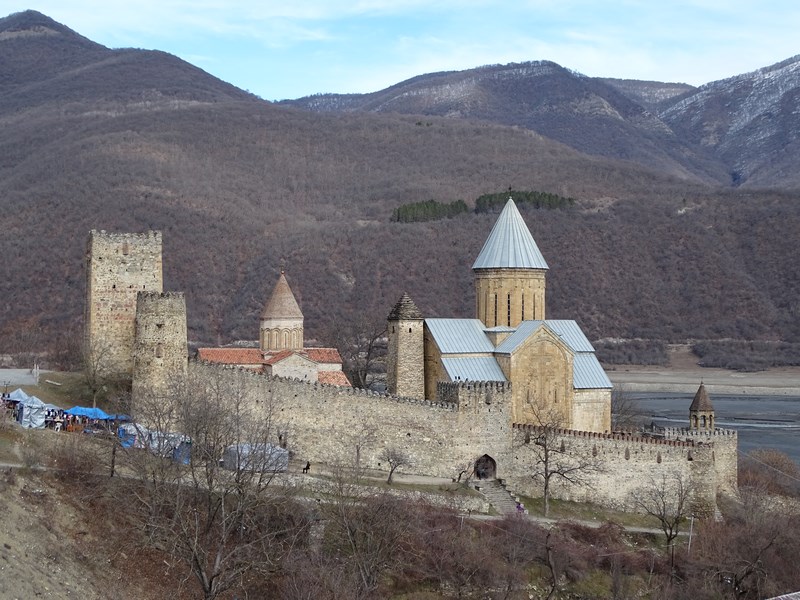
(405, 309)
(282, 304)
(701, 400)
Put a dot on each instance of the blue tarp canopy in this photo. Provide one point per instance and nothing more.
(92, 413)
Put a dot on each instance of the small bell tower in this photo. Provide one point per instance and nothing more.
(701, 412)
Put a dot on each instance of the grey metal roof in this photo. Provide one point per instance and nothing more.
(587, 372)
(459, 336)
(473, 368)
(510, 244)
(569, 331)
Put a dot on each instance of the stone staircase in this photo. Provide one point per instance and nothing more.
(498, 496)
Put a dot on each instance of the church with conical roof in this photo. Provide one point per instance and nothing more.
(556, 377)
(281, 348)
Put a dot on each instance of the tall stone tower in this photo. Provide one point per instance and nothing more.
(509, 274)
(406, 352)
(159, 356)
(118, 267)
(701, 412)
(281, 326)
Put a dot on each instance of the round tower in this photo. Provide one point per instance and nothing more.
(159, 355)
(701, 412)
(510, 274)
(281, 326)
(406, 355)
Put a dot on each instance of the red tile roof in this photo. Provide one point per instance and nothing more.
(270, 358)
(333, 378)
(231, 356)
(324, 355)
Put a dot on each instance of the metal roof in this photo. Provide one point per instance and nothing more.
(510, 244)
(569, 331)
(587, 372)
(473, 368)
(459, 336)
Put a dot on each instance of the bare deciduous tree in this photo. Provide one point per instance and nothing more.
(554, 458)
(361, 345)
(221, 524)
(668, 500)
(396, 459)
(625, 413)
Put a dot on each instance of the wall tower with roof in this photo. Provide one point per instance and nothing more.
(510, 274)
(281, 326)
(406, 354)
(701, 412)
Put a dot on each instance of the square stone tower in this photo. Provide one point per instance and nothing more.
(118, 267)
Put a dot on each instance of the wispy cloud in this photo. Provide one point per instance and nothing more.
(288, 49)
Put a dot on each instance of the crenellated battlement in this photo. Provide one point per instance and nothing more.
(677, 432)
(312, 386)
(618, 437)
(151, 235)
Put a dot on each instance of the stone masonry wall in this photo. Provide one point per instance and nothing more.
(725, 456)
(118, 267)
(591, 410)
(623, 464)
(159, 358)
(405, 358)
(330, 424)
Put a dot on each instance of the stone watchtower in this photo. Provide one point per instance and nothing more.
(701, 412)
(118, 267)
(160, 356)
(509, 274)
(281, 326)
(406, 350)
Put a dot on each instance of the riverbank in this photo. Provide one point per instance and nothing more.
(683, 376)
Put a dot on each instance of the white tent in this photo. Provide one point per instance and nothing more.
(18, 395)
(32, 413)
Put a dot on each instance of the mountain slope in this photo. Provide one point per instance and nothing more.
(751, 122)
(132, 140)
(587, 114)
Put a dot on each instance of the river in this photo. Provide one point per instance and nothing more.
(762, 421)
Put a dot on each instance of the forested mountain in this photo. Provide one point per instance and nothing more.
(131, 140)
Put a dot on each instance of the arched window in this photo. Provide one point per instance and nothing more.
(495, 310)
(159, 351)
(508, 311)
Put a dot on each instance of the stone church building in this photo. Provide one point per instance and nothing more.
(556, 377)
(281, 351)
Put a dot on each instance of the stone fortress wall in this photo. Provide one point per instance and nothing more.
(443, 438)
(118, 267)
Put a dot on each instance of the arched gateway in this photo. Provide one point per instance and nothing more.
(485, 467)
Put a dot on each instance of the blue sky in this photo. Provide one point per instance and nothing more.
(292, 48)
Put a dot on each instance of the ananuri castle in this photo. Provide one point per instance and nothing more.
(476, 396)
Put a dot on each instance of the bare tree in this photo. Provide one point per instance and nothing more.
(99, 379)
(361, 344)
(396, 459)
(668, 500)
(371, 530)
(625, 413)
(554, 458)
(222, 524)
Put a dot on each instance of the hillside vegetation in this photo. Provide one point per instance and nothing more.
(131, 140)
